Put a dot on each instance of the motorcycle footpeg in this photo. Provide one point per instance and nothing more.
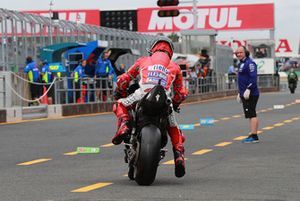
(163, 153)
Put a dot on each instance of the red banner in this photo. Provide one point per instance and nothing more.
(225, 17)
(83, 16)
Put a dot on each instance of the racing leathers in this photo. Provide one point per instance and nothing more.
(152, 69)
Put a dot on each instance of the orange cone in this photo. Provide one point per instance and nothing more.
(44, 100)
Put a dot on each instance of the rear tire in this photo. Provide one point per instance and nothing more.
(149, 155)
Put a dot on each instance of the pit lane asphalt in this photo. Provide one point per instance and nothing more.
(269, 170)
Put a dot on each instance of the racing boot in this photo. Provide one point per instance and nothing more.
(179, 160)
(123, 128)
(177, 139)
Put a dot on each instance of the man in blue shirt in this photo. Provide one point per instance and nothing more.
(103, 72)
(33, 73)
(79, 73)
(248, 90)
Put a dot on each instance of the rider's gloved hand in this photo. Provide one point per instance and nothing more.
(119, 94)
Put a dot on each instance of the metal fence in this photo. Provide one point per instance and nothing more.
(2, 89)
(24, 34)
(88, 90)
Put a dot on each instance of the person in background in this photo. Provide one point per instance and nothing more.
(79, 74)
(90, 72)
(292, 80)
(232, 73)
(248, 90)
(48, 77)
(193, 79)
(122, 68)
(103, 73)
(33, 74)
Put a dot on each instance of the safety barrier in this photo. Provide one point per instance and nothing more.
(85, 90)
(100, 90)
(88, 96)
(2, 90)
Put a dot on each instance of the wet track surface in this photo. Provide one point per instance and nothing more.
(38, 159)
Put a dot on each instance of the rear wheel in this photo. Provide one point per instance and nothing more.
(149, 155)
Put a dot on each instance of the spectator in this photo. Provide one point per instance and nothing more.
(80, 86)
(232, 73)
(261, 52)
(33, 74)
(90, 72)
(122, 68)
(103, 72)
(248, 90)
(204, 58)
(90, 68)
(47, 78)
(193, 79)
(204, 62)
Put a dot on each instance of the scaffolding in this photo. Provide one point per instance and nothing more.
(23, 34)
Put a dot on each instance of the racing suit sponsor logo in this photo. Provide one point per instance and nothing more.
(251, 67)
(156, 73)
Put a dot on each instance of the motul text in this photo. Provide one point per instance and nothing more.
(230, 17)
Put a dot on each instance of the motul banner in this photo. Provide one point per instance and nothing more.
(284, 47)
(83, 16)
(225, 17)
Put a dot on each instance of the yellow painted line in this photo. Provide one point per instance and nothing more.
(278, 124)
(107, 145)
(71, 153)
(236, 116)
(198, 124)
(202, 151)
(268, 128)
(288, 121)
(91, 187)
(35, 161)
(263, 110)
(215, 121)
(225, 118)
(125, 175)
(269, 109)
(171, 162)
(295, 118)
(223, 144)
(240, 137)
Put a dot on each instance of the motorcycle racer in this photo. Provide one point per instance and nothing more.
(155, 68)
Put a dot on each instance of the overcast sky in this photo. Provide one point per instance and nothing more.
(287, 12)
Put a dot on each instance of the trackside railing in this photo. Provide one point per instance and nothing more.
(90, 90)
